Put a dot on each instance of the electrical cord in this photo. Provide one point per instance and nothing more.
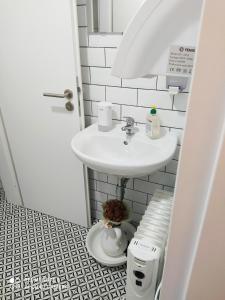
(160, 285)
(158, 290)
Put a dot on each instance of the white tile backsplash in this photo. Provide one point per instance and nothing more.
(88, 108)
(103, 76)
(110, 54)
(116, 110)
(136, 217)
(83, 36)
(169, 189)
(99, 206)
(172, 167)
(177, 153)
(107, 188)
(149, 98)
(89, 120)
(92, 184)
(179, 134)
(141, 83)
(171, 118)
(131, 97)
(96, 214)
(93, 204)
(138, 113)
(136, 196)
(82, 15)
(129, 204)
(145, 186)
(163, 178)
(161, 83)
(115, 180)
(94, 92)
(85, 71)
(180, 102)
(139, 208)
(104, 40)
(121, 95)
(98, 196)
(92, 57)
(97, 175)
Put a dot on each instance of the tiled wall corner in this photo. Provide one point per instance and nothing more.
(130, 97)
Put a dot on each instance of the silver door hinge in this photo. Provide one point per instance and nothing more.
(78, 90)
(78, 87)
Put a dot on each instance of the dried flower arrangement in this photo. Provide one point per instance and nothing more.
(114, 212)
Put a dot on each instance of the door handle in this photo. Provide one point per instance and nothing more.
(68, 94)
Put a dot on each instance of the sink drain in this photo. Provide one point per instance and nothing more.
(125, 143)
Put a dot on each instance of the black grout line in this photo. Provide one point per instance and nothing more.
(137, 96)
(173, 103)
(157, 80)
(125, 87)
(137, 105)
(89, 70)
(96, 67)
(139, 123)
(115, 86)
(100, 47)
(140, 106)
(96, 33)
(105, 57)
(91, 108)
(88, 37)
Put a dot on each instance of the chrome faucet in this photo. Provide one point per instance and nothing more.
(129, 128)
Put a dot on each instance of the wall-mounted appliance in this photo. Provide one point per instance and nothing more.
(160, 40)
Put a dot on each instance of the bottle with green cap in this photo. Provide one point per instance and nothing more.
(153, 124)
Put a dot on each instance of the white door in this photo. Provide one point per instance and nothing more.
(38, 55)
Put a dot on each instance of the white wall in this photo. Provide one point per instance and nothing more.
(195, 266)
(208, 272)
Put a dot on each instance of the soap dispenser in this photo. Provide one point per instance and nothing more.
(153, 124)
(104, 116)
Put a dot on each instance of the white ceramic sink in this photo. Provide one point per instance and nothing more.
(107, 153)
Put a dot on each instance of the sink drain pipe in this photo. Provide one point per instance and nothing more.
(121, 187)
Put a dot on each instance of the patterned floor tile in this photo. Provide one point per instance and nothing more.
(42, 257)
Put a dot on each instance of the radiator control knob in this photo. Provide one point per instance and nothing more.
(139, 274)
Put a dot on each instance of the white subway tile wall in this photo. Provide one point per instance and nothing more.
(133, 98)
(82, 16)
(102, 76)
(104, 40)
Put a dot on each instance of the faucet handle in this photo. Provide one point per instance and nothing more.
(130, 121)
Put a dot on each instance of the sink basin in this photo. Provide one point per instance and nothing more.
(114, 153)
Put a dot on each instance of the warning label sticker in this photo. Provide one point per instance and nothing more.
(181, 60)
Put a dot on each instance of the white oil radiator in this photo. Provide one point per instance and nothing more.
(147, 249)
